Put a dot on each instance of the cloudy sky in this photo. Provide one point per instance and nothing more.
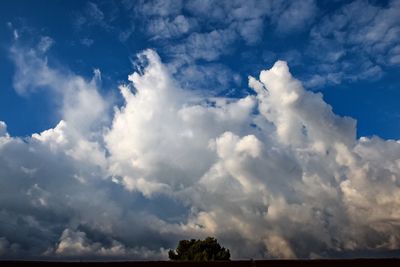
(126, 126)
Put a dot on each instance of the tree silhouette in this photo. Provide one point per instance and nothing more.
(199, 250)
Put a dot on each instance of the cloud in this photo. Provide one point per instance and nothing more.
(296, 16)
(6, 248)
(345, 47)
(208, 46)
(172, 130)
(3, 128)
(62, 183)
(79, 100)
(202, 78)
(166, 28)
(87, 42)
(161, 8)
(357, 47)
(273, 174)
(76, 243)
(91, 15)
(197, 31)
(107, 16)
(94, 12)
(244, 18)
(45, 43)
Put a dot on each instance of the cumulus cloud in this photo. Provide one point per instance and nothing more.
(76, 243)
(272, 174)
(80, 104)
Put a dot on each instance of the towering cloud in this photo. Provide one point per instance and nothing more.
(273, 174)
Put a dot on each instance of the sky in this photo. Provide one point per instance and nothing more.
(126, 126)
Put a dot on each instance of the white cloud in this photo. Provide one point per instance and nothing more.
(210, 28)
(161, 7)
(45, 44)
(166, 28)
(171, 130)
(94, 12)
(91, 15)
(87, 42)
(208, 46)
(296, 16)
(357, 47)
(3, 128)
(274, 174)
(76, 243)
(81, 104)
(251, 30)
(197, 31)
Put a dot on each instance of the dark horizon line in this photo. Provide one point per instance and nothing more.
(397, 259)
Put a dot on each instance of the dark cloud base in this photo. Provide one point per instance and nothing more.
(248, 263)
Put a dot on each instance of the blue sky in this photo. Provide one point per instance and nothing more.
(325, 43)
(126, 126)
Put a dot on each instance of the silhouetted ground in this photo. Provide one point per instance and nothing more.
(261, 263)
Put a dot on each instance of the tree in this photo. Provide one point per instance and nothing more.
(199, 250)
